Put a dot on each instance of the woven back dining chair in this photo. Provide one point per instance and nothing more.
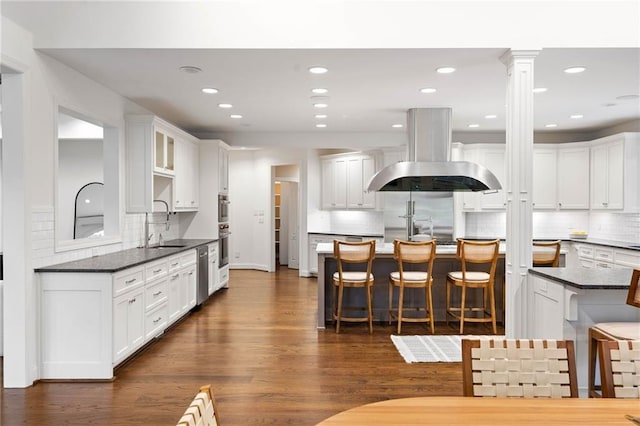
(519, 368)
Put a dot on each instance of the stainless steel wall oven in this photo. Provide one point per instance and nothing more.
(223, 249)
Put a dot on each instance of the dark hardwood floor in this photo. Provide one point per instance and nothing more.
(258, 345)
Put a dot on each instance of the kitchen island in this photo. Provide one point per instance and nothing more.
(564, 302)
(383, 265)
(97, 312)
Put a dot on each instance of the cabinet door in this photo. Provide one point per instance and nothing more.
(190, 282)
(334, 183)
(355, 194)
(368, 170)
(175, 305)
(545, 180)
(213, 268)
(128, 323)
(573, 178)
(187, 175)
(163, 152)
(223, 169)
(607, 176)
(547, 309)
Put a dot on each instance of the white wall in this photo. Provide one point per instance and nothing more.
(251, 194)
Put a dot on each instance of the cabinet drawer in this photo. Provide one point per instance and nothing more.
(126, 280)
(173, 263)
(605, 254)
(188, 258)
(156, 321)
(155, 293)
(627, 258)
(603, 265)
(224, 275)
(551, 290)
(585, 251)
(155, 270)
(213, 250)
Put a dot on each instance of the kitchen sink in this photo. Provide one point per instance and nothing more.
(167, 246)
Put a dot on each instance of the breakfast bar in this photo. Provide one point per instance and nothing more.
(383, 265)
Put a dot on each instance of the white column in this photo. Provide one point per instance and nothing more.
(519, 186)
(19, 292)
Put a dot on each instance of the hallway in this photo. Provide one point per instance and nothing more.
(258, 345)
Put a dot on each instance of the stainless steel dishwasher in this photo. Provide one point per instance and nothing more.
(203, 275)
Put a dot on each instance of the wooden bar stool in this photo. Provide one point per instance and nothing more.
(613, 331)
(620, 368)
(359, 254)
(408, 253)
(474, 253)
(546, 253)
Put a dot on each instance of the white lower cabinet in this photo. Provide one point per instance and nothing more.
(213, 268)
(90, 322)
(128, 324)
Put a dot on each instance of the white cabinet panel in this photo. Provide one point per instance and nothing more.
(344, 182)
(128, 323)
(545, 178)
(573, 178)
(491, 156)
(607, 172)
(223, 169)
(187, 176)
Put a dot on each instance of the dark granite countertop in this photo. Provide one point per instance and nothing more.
(117, 261)
(608, 243)
(587, 278)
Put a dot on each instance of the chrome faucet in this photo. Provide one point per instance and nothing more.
(167, 224)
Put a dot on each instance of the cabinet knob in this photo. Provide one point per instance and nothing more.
(559, 204)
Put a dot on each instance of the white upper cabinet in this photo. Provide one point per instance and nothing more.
(152, 148)
(223, 168)
(187, 175)
(491, 156)
(615, 173)
(561, 177)
(344, 182)
(545, 178)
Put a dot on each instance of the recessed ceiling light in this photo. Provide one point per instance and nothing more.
(540, 90)
(397, 126)
(321, 125)
(318, 70)
(577, 116)
(225, 105)
(490, 116)
(445, 70)
(474, 125)
(320, 105)
(627, 97)
(209, 90)
(551, 125)
(190, 69)
(235, 116)
(320, 91)
(321, 115)
(428, 90)
(574, 70)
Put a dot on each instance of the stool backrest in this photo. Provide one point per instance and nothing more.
(633, 296)
(478, 252)
(620, 368)
(546, 253)
(519, 368)
(354, 252)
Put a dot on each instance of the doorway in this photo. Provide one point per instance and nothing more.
(285, 217)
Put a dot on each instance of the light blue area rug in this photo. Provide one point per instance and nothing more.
(432, 348)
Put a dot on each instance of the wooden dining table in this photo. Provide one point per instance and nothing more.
(489, 411)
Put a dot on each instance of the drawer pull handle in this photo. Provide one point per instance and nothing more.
(176, 276)
(155, 271)
(157, 294)
(155, 321)
(132, 280)
(175, 264)
(190, 273)
(132, 300)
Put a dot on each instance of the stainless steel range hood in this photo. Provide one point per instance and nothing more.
(429, 168)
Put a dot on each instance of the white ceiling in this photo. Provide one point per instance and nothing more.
(369, 89)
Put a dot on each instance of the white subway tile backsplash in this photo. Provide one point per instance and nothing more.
(132, 235)
(559, 224)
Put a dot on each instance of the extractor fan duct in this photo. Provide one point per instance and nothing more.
(428, 167)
